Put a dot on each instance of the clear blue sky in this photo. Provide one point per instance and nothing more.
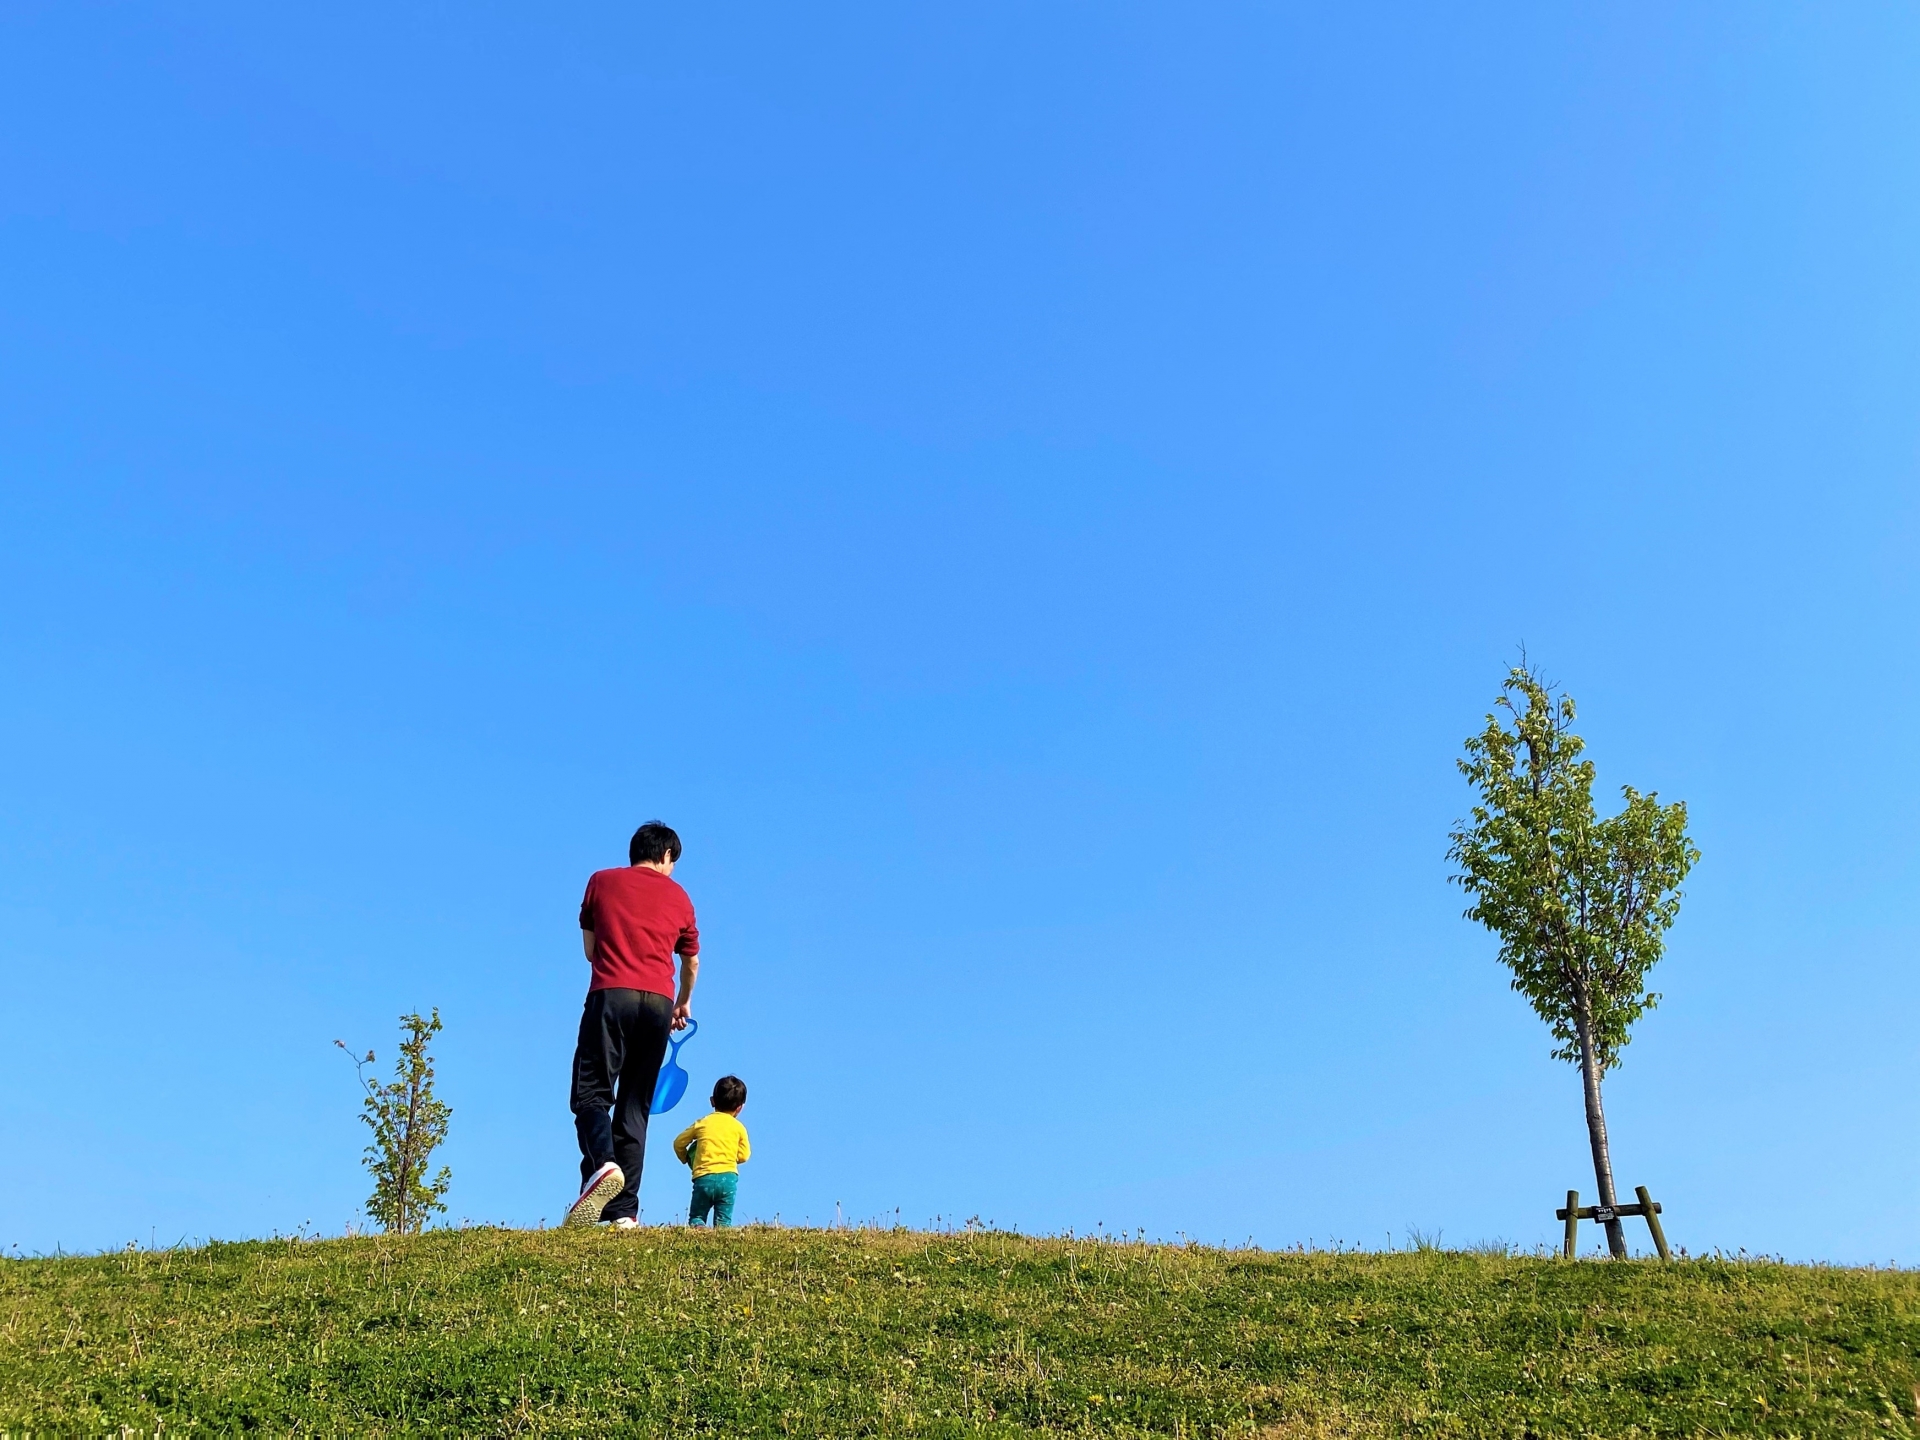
(1036, 494)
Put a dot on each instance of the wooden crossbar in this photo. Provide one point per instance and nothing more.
(1603, 1213)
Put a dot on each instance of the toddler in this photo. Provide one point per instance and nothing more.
(714, 1146)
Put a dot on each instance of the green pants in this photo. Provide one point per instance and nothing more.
(715, 1193)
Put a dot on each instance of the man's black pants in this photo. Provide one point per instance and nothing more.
(623, 1039)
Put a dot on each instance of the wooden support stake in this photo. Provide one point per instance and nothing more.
(1573, 1223)
(1652, 1212)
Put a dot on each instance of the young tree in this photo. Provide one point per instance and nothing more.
(1581, 905)
(408, 1121)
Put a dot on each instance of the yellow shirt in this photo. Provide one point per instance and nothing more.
(715, 1144)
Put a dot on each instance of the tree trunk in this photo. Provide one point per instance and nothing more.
(1597, 1136)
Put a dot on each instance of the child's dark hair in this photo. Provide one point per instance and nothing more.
(653, 844)
(729, 1092)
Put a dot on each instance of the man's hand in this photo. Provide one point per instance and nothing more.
(682, 1013)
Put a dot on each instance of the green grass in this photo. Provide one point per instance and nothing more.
(834, 1333)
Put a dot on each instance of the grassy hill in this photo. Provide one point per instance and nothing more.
(811, 1333)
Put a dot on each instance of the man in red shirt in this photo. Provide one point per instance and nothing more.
(633, 922)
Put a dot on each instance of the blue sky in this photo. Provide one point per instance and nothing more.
(1037, 495)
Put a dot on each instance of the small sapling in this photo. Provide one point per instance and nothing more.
(408, 1122)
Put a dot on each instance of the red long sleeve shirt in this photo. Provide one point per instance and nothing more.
(640, 920)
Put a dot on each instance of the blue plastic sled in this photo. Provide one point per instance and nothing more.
(672, 1083)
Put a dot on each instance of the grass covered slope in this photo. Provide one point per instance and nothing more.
(811, 1333)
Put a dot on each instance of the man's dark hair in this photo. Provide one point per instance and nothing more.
(652, 844)
(729, 1092)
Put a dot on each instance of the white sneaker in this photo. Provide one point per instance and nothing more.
(625, 1222)
(605, 1183)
